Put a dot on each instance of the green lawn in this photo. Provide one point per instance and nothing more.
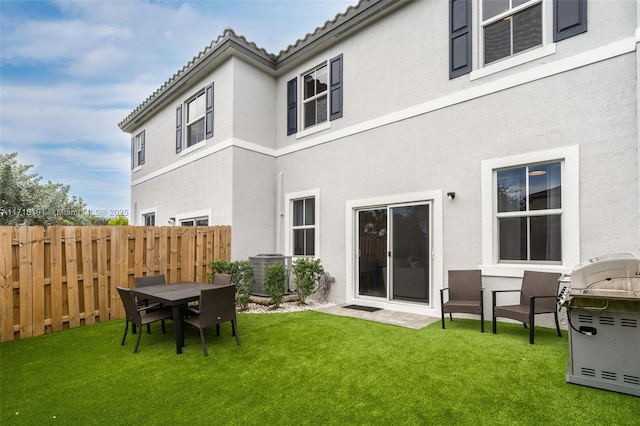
(302, 368)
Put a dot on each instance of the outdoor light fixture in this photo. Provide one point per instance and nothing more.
(451, 195)
(172, 221)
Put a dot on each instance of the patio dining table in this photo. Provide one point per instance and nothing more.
(176, 295)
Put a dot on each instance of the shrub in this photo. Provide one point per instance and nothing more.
(241, 272)
(273, 282)
(242, 277)
(306, 272)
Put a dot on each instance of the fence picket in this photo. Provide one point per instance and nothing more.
(6, 283)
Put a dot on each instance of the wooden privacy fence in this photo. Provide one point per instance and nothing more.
(65, 276)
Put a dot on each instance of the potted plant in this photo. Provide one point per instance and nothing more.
(306, 272)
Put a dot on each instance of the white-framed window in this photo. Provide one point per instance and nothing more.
(149, 219)
(530, 212)
(137, 150)
(302, 230)
(194, 120)
(196, 221)
(510, 27)
(314, 96)
(195, 115)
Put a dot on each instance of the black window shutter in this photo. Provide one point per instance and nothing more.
(292, 108)
(133, 150)
(142, 147)
(569, 18)
(178, 128)
(335, 87)
(459, 38)
(208, 121)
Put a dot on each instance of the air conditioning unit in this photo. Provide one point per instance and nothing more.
(260, 263)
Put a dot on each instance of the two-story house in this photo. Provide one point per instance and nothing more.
(406, 138)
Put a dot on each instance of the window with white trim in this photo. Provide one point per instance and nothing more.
(529, 213)
(196, 221)
(510, 27)
(137, 150)
(196, 109)
(304, 227)
(149, 219)
(314, 110)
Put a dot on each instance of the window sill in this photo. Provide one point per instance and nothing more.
(193, 148)
(516, 270)
(514, 61)
(136, 169)
(314, 129)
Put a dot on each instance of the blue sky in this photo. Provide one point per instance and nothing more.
(71, 70)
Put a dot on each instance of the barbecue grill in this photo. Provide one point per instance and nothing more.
(603, 310)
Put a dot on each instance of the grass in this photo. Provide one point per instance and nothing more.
(303, 368)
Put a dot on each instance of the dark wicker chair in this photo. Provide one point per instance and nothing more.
(217, 305)
(143, 282)
(465, 295)
(135, 316)
(537, 296)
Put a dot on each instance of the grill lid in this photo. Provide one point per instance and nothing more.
(611, 276)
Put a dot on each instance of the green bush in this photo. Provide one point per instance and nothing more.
(306, 272)
(273, 282)
(242, 277)
(241, 272)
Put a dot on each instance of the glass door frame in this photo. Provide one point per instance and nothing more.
(437, 197)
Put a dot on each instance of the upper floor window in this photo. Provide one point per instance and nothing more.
(197, 115)
(137, 150)
(510, 27)
(315, 97)
(321, 96)
(509, 32)
(529, 213)
(195, 119)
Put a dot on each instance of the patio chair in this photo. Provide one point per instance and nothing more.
(219, 279)
(143, 282)
(537, 296)
(465, 295)
(217, 305)
(135, 315)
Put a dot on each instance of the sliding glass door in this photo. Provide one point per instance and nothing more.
(394, 252)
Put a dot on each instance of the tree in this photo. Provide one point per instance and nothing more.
(118, 221)
(25, 200)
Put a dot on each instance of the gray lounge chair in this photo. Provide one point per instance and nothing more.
(465, 295)
(537, 296)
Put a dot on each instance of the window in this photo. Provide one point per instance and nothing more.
(195, 120)
(510, 32)
(149, 219)
(197, 221)
(304, 227)
(321, 96)
(529, 213)
(137, 150)
(198, 119)
(315, 97)
(510, 27)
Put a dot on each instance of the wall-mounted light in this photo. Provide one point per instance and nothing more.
(172, 221)
(451, 195)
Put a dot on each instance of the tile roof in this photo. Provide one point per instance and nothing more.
(229, 38)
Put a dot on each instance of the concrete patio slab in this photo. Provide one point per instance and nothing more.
(385, 316)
